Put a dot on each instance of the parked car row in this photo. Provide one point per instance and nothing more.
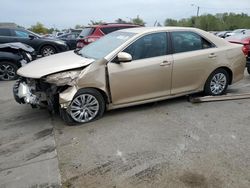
(43, 46)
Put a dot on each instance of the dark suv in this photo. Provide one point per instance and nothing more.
(94, 32)
(42, 46)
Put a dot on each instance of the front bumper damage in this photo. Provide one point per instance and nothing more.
(36, 93)
(40, 94)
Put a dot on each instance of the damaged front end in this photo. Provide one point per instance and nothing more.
(52, 91)
(38, 93)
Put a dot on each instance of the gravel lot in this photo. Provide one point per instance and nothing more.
(172, 143)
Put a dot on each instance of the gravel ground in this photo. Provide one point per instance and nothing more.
(171, 143)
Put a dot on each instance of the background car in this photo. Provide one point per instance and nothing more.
(92, 33)
(43, 46)
(12, 57)
(70, 39)
(243, 39)
(223, 34)
(235, 32)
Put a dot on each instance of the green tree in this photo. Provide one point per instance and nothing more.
(39, 28)
(138, 21)
(170, 22)
(92, 22)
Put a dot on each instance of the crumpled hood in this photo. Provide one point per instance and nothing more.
(52, 64)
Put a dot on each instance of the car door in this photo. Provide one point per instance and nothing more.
(147, 76)
(6, 36)
(194, 57)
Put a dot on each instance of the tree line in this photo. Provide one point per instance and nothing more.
(208, 22)
(217, 22)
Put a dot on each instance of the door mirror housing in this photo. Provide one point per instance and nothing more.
(123, 57)
(31, 37)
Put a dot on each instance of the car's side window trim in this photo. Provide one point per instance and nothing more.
(201, 36)
(168, 52)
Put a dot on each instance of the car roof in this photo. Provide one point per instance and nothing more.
(113, 25)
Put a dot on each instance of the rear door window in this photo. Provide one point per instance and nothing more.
(4, 32)
(184, 41)
(107, 30)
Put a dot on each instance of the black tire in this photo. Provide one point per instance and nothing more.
(248, 70)
(97, 96)
(47, 50)
(208, 90)
(8, 71)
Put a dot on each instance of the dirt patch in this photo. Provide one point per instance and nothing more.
(194, 180)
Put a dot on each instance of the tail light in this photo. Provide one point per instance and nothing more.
(80, 44)
(246, 49)
(85, 41)
(89, 40)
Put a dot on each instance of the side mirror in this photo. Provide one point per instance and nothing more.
(31, 37)
(123, 57)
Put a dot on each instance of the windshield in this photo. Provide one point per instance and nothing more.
(86, 32)
(105, 45)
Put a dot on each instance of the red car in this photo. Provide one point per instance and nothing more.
(92, 33)
(243, 39)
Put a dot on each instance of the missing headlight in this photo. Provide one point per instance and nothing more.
(63, 78)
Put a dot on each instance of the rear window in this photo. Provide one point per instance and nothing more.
(86, 32)
(5, 32)
(107, 30)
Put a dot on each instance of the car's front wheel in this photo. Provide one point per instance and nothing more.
(248, 70)
(8, 71)
(217, 82)
(86, 106)
(47, 51)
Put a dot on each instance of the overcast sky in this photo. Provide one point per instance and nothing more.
(68, 13)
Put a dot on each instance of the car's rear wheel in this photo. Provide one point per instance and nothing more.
(86, 106)
(217, 82)
(8, 71)
(47, 51)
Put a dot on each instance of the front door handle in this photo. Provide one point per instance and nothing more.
(165, 63)
(212, 55)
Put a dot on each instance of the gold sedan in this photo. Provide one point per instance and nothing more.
(130, 67)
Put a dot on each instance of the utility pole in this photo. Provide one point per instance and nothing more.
(198, 9)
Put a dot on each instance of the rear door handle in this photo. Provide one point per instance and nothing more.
(212, 55)
(165, 63)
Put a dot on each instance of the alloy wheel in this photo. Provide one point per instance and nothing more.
(84, 108)
(218, 83)
(7, 72)
(47, 51)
